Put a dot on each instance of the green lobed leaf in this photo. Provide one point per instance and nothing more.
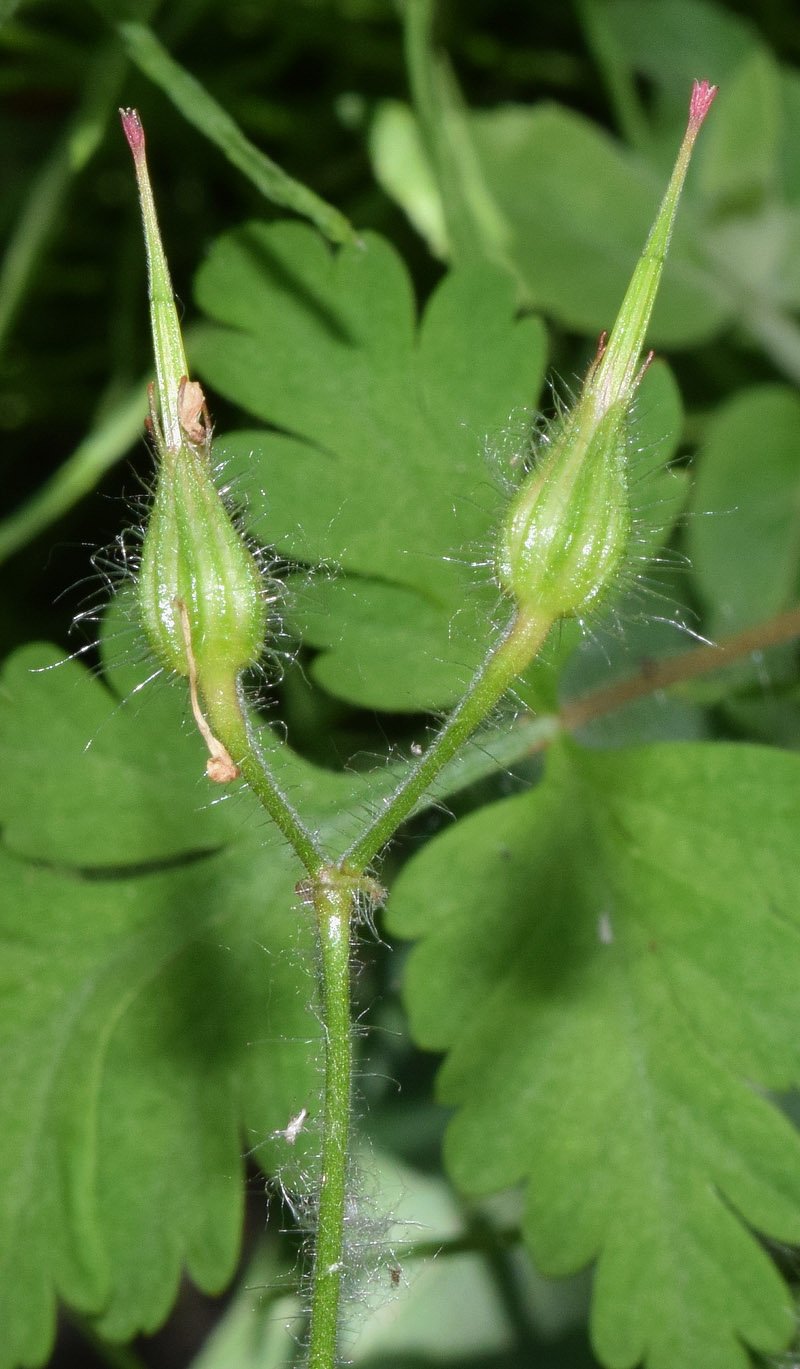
(611, 962)
(663, 40)
(744, 537)
(157, 983)
(576, 209)
(408, 623)
(364, 628)
(92, 782)
(580, 208)
(156, 979)
(144, 1019)
(380, 469)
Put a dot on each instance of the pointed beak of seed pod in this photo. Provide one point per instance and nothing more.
(567, 531)
(199, 589)
(170, 358)
(617, 371)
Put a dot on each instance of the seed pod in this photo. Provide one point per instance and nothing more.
(193, 556)
(566, 534)
(200, 594)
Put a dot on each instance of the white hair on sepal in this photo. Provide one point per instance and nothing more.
(126, 661)
(636, 589)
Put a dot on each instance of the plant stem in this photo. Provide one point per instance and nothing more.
(476, 229)
(228, 718)
(675, 670)
(333, 905)
(115, 430)
(198, 107)
(332, 893)
(44, 203)
(516, 649)
(615, 70)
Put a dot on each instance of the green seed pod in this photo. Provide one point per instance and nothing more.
(196, 569)
(201, 599)
(566, 534)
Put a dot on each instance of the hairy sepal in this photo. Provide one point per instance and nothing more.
(194, 560)
(567, 533)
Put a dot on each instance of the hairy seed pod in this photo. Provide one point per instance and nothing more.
(566, 534)
(194, 559)
(200, 595)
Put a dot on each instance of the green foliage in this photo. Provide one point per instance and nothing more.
(158, 1009)
(744, 495)
(629, 930)
(606, 956)
(202, 110)
(574, 205)
(325, 349)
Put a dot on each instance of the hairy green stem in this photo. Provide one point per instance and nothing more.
(333, 898)
(227, 716)
(333, 904)
(332, 893)
(332, 890)
(517, 647)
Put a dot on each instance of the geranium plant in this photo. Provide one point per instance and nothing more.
(605, 945)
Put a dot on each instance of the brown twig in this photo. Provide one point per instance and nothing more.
(676, 669)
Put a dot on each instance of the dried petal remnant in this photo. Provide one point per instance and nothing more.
(192, 412)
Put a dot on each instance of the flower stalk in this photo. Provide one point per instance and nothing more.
(559, 549)
(333, 900)
(567, 532)
(201, 599)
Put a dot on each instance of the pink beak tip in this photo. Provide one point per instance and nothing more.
(701, 102)
(132, 128)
